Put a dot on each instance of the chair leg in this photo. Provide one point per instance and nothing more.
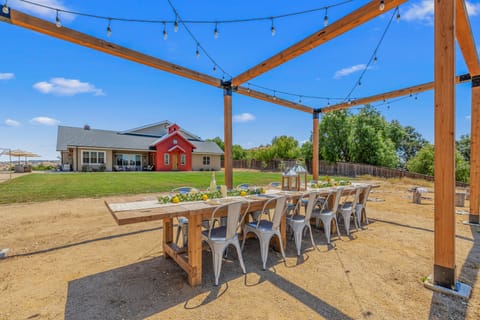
(311, 236)
(298, 239)
(264, 244)
(240, 257)
(185, 235)
(217, 265)
(244, 237)
(281, 246)
(326, 228)
(338, 229)
(346, 222)
(355, 219)
(179, 229)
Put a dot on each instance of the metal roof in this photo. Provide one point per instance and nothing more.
(95, 138)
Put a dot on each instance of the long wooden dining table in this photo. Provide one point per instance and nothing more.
(190, 258)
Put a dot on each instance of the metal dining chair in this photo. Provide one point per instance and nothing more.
(326, 215)
(348, 209)
(221, 237)
(361, 206)
(182, 227)
(298, 222)
(265, 229)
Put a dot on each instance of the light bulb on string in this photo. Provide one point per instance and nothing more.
(197, 52)
(5, 8)
(328, 102)
(58, 23)
(359, 83)
(382, 5)
(175, 24)
(398, 15)
(214, 68)
(325, 18)
(272, 29)
(215, 32)
(375, 59)
(300, 99)
(165, 33)
(274, 95)
(109, 28)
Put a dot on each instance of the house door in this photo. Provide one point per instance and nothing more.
(175, 161)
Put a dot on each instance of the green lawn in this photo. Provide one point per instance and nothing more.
(50, 186)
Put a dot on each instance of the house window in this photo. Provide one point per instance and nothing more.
(93, 157)
(206, 160)
(166, 158)
(183, 159)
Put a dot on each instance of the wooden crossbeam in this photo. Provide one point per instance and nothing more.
(42, 26)
(352, 20)
(463, 33)
(389, 95)
(266, 97)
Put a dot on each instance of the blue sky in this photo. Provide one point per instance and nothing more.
(45, 82)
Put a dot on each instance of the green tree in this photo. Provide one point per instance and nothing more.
(335, 130)
(285, 147)
(369, 142)
(238, 153)
(412, 143)
(423, 163)
(463, 146)
(306, 150)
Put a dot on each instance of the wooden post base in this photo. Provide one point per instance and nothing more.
(444, 277)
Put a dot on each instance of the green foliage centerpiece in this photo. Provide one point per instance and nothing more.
(204, 196)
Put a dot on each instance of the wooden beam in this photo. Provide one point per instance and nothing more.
(390, 95)
(352, 20)
(42, 26)
(475, 152)
(315, 146)
(275, 100)
(465, 39)
(227, 138)
(444, 138)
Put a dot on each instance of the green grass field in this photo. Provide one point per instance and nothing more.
(53, 186)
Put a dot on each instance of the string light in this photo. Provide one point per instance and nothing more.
(197, 52)
(165, 33)
(5, 9)
(325, 19)
(214, 68)
(272, 29)
(109, 29)
(382, 5)
(215, 32)
(175, 24)
(58, 23)
(274, 95)
(300, 99)
(359, 83)
(375, 59)
(398, 15)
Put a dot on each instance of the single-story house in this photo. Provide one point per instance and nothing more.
(162, 146)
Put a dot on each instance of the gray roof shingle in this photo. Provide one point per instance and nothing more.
(95, 138)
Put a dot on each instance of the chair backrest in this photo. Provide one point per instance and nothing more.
(366, 192)
(312, 201)
(280, 209)
(234, 217)
(358, 191)
(338, 195)
(185, 190)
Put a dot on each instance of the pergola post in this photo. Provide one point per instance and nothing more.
(315, 139)
(475, 152)
(444, 63)
(227, 138)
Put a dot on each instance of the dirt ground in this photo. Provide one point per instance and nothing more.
(68, 259)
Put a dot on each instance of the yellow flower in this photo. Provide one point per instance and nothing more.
(327, 178)
(262, 190)
(243, 193)
(205, 197)
(175, 199)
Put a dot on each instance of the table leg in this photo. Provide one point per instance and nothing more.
(195, 249)
(167, 234)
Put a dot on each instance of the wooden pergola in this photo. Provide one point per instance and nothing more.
(451, 21)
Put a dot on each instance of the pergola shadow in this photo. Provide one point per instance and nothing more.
(146, 288)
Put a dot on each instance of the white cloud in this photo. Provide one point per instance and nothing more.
(12, 123)
(66, 87)
(468, 118)
(243, 117)
(423, 11)
(346, 71)
(45, 121)
(6, 76)
(45, 12)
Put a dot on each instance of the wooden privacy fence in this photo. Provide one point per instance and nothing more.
(345, 169)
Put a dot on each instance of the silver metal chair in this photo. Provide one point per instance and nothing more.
(327, 215)
(182, 221)
(298, 222)
(265, 229)
(360, 208)
(219, 238)
(348, 209)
